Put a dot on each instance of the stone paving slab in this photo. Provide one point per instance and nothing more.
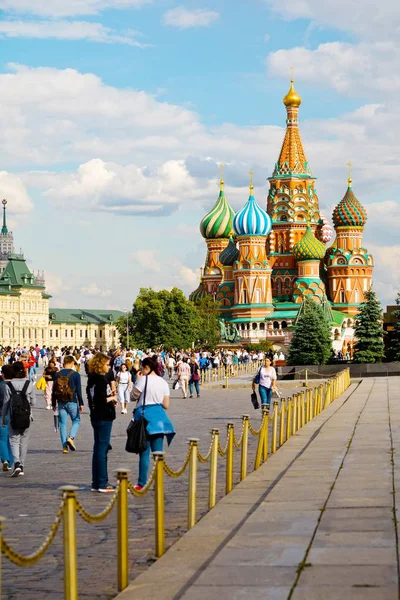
(313, 523)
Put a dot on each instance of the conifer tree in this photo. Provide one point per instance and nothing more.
(368, 330)
(311, 343)
(393, 353)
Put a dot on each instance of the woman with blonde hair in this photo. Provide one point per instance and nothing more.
(102, 404)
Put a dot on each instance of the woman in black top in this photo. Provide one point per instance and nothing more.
(102, 402)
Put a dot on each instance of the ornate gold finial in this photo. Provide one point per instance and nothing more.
(349, 179)
(4, 202)
(292, 98)
(221, 178)
(251, 173)
(291, 74)
(201, 273)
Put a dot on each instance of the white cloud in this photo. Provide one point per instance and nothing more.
(376, 20)
(67, 8)
(351, 69)
(148, 259)
(13, 189)
(55, 284)
(185, 277)
(66, 30)
(185, 18)
(92, 289)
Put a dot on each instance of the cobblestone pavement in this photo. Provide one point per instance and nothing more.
(30, 503)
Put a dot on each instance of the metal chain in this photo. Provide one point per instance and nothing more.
(145, 488)
(86, 516)
(27, 561)
(238, 443)
(257, 431)
(179, 472)
(222, 452)
(204, 459)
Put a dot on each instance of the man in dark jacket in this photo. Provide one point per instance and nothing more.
(67, 398)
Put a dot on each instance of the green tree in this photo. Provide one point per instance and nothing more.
(393, 350)
(368, 331)
(311, 343)
(207, 332)
(165, 318)
(262, 346)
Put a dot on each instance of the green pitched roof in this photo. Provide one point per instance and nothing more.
(17, 274)
(83, 316)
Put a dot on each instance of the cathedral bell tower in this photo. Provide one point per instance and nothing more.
(292, 202)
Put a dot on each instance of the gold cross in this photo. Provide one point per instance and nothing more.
(221, 171)
(292, 74)
(251, 173)
(349, 165)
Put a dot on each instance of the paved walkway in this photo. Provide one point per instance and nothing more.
(316, 522)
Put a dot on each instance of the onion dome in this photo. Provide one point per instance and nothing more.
(309, 248)
(218, 222)
(326, 230)
(199, 292)
(292, 98)
(349, 212)
(252, 219)
(229, 255)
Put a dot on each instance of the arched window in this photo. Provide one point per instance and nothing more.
(279, 287)
(287, 285)
(262, 326)
(283, 324)
(276, 325)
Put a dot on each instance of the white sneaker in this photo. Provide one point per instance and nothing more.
(48, 407)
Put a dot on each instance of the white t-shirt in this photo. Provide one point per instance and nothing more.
(157, 389)
(266, 376)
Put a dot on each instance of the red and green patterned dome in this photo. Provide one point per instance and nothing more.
(309, 248)
(349, 212)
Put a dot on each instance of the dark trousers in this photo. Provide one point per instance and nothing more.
(102, 435)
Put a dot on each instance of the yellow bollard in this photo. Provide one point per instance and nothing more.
(229, 459)
(159, 503)
(262, 445)
(226, 380)
(245, 443)
(265, 432)
(299, 411)
(289, 418)
(212, 490)
(122, 524)
(282, 423)
(70, 556)
(192, 492)
(294, 425)
(274, 428)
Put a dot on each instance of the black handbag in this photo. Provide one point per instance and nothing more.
(136, 431)
(254, 400)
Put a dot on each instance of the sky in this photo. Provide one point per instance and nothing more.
(114, 116)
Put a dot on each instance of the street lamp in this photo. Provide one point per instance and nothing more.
(127, 328)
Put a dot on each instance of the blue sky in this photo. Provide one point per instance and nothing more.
(115, 114)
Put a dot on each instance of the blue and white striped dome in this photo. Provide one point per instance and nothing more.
(252, 219)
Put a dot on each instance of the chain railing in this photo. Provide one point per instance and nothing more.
(284, 421)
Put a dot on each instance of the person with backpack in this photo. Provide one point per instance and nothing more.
(6, 456)
(17, 408)
(67, 397)
(266, 380)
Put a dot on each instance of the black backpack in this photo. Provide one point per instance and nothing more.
(20, 409)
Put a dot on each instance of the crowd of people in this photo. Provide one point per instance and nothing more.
(115, 378)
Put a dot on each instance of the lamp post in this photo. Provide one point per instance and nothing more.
(127, 328)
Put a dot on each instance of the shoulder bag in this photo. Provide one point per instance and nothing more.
(136, 432)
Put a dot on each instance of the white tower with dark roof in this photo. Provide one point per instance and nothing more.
(6, 241)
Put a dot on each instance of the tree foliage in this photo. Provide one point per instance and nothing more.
(368, 330)
(311, 343)
(262, 346)
(393, 351)
(167, 319)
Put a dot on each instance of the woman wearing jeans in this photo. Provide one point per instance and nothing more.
(102, 404)
(153, 391)
(266, 376)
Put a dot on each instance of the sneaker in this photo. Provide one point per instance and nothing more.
(6, 466)
(65, 449)
(71, 444)
(48, 407)
(191, 396)
(21, 471)
(107, 490)
(138, 487)
(94, 489)
(17, 470)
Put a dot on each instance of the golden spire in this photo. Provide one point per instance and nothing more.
(349, 179)
(201, 273)
(251, 173)
(221, 178)
(292, 98)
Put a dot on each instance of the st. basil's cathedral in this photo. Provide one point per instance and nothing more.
(260, 265)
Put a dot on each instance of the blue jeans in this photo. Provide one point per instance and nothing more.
(64, 410)
(195, 384)
(102, 436)
(155, 443)
(265, 395)
(5, 447)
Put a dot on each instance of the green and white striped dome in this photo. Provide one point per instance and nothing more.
(218, 222)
